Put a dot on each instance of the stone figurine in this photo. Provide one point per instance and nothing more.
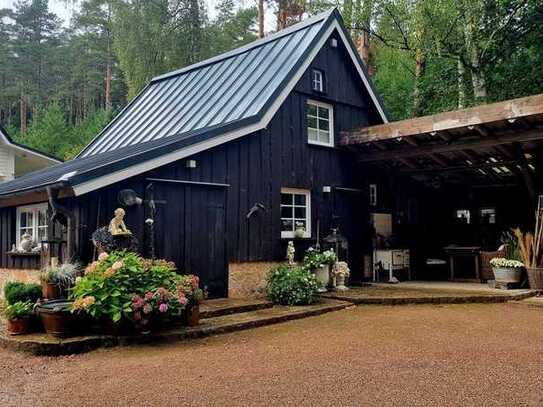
(290, 253)
(117, 226)
(340, 271)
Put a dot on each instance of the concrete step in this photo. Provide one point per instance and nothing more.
(226, 306)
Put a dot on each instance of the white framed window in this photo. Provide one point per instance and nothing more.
(317, 80)
(373, 194)
(32, 219)
(487, 216)
(463, 216)
(320, 123)
(295, 212)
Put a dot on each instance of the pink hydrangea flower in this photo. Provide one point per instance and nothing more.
(148, 296)
(163, 307)
(182, 299)
(117, 265)
(103, 256)
(195, 282)
(147, 309)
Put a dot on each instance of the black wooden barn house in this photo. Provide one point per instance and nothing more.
(253, 131)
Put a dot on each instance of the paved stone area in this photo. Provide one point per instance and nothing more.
(424, 355)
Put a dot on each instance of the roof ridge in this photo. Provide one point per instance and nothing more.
(252, 45)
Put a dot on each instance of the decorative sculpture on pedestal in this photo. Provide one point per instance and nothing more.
(290, 253)
(117, 226)
(340, 272)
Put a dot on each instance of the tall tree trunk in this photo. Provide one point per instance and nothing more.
(108, 63)
(470, 36)
(419, 70)
(23, 112)
(348, 14)
(461, 72)
(362, 21)
(260, 18)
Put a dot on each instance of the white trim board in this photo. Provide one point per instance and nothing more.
(137, 169)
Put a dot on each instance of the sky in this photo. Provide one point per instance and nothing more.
(65, 11)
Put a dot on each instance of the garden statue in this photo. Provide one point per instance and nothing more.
(27, 244)
(117, 226)
(290, 253)
(340, 272)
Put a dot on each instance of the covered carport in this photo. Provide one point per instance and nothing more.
(455, 181)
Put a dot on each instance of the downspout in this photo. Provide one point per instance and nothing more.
(65, 217)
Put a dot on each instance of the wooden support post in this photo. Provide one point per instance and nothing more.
(526, 174)
(64, 216)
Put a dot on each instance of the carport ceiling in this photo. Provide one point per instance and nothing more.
(490, 143)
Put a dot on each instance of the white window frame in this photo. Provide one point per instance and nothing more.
(34, 209)
(330, 119)
(317, 80)
(285, 234)
(373, 194)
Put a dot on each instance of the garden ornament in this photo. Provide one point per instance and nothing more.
(290, 253)
(117, 226)
(340, 271)
(27, 243)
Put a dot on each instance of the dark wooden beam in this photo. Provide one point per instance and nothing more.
(459, 168)
(484, 143)
(526, 174)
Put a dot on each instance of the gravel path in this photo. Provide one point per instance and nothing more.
(454, 355)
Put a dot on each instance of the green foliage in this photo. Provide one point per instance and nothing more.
(314, 258)
(291, 286)
(18, 310)
(62, 276)
(111, 283)
(16, 291)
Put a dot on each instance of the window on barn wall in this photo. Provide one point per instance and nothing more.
(295, 212)
(373, 194)
(463, 216)
(487, 216)
(32, 219)
(317, 80)
(320, 123)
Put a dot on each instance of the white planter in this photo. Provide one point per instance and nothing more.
(299, 233)
(507, 275)
(322, 274)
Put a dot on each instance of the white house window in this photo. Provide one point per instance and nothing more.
(463, 216)
(295, 212)
(320, 123)
(32, 219)
(373, 194)
(487, 216)
(317, 80)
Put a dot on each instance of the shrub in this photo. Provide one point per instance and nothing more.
(15, 291)
(291, 286)
(122, 283)
(17, 310)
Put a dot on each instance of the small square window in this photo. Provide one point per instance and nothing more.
(317, 80)
(32, 219)
(463, 216)
(295, 212)
(487, 216)
(320, 123)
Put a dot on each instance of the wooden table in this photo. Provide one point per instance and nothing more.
(463, 251)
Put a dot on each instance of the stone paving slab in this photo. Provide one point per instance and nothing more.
(225, 306)
(43, 344)
(400, 295)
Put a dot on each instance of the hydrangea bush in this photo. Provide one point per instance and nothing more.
(124, 284)
(291, 286)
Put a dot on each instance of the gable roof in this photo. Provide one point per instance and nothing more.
(196, 108)
(5, 137)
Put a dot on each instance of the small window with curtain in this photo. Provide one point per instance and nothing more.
(320, 123)
(295, 212)
(32, 219)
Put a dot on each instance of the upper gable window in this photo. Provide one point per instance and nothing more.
(320, 123)
(317, 80)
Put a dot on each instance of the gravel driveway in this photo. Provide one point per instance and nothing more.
(454, 355)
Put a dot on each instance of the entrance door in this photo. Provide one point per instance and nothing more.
(190, 230)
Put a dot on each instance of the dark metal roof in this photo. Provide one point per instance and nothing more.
(230, 87)
(229, 93)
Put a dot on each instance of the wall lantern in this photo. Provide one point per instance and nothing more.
(191, 163)
(327, 189)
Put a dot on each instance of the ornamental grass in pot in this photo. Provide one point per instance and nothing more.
(56, 280)
(20, 317)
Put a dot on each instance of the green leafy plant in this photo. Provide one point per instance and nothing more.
(314, 258)
(16, 291)
(18, 310)
(62, 276)
(116, 284)
(291, 286)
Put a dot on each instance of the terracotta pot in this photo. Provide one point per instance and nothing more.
(20, 326)
(192, 315)
(57, 318)
(506, 275)
(51, 291)
(535, 277)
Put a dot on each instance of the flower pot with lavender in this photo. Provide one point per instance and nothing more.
(19, 316)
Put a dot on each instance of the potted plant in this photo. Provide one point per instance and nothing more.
(319, 263)
(531, 251)
(194, 295)
(507, 271)
(19, 316)
(16, 291)
(56, 280)
(299, 231)
(57, 318)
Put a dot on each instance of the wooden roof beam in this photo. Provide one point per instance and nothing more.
(481, 144)
(459, 168)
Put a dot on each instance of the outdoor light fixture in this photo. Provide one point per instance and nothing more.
(333, 43)
(327, 189)
(191, 163)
